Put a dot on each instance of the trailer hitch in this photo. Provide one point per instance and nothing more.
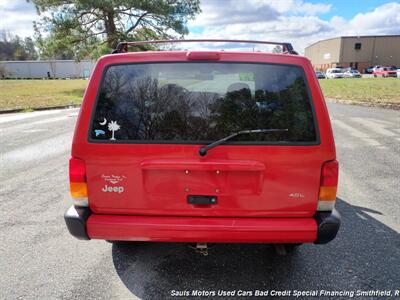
(201, 248)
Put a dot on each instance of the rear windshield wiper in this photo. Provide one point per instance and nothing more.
(203, 150)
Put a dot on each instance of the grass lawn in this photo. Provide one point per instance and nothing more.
(373, 90)
(40, 93)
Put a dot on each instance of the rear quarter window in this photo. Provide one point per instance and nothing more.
(201, 102)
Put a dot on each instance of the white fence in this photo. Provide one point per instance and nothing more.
(46, 69)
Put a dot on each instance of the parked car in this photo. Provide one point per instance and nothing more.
(333, 73)
(385, 72)
(320, 75)
(369, 70)
(375, 67)
(203, 147)
(398, 73)
(352, 74)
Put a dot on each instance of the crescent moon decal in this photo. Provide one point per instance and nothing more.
(104, 122)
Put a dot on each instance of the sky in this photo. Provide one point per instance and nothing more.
(301, 22)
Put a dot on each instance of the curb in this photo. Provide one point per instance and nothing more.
(395, 106)
(17, 110)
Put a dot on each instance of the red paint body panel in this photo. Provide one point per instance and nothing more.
(222, 230)
(253, 180)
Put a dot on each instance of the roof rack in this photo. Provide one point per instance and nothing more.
(123, 46)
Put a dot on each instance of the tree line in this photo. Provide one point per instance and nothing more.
(77, 29)
(13, 47)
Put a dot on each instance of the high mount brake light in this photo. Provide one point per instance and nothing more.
(328, 186)
(77, 181)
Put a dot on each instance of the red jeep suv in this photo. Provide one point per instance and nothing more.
(204, 147)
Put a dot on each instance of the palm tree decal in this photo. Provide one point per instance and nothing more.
(113, 126)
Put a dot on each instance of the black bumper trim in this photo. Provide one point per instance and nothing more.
(328, 226)
(75, 218)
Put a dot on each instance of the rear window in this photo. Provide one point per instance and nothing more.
(202, 102)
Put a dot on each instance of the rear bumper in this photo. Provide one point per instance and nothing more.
(321, 229)
(328, 224)
(76, 220)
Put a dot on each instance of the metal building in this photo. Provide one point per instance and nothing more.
(358, 52)
(46, 69)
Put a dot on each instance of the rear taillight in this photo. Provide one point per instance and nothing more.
(77, 181)
(328, 186)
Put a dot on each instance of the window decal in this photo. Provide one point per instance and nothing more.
(113, 126)
(104, 122)
(99, 132)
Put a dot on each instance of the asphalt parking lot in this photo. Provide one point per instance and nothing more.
(39, 259)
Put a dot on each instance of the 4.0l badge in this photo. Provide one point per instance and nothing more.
(296, 195)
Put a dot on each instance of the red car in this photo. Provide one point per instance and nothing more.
(385, 72)
(204, 147)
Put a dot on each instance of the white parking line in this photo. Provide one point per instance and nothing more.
(25, 127)
(34, 130)
(382, 121)
(23, 116)
(35, 152)
(357, 133)
(375, 126)
(51, 120)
